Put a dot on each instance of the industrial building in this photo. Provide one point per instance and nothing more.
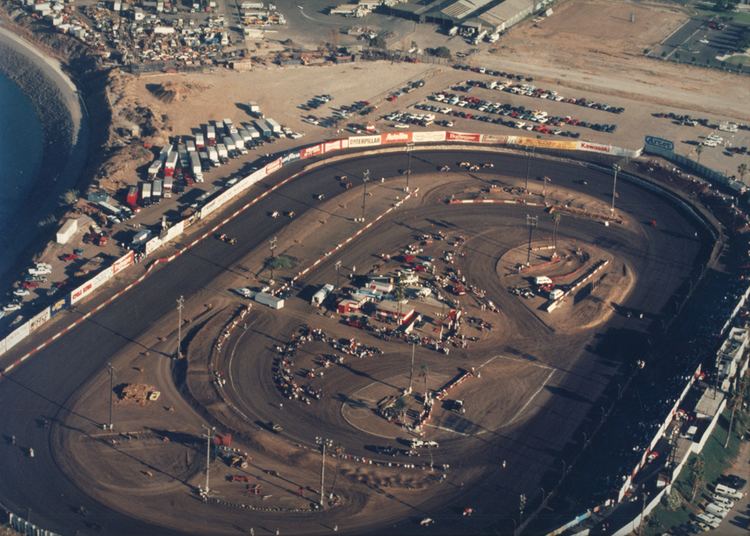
(491, 16)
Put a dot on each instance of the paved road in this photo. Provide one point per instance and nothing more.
(45, 384)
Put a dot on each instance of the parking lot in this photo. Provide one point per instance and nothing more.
(701, 42)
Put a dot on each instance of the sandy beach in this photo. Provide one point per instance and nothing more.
(56, 101)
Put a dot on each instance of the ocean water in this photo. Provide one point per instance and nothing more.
(20, 158)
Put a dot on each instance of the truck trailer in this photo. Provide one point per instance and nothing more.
(210, 135)
(274, 126)
(145, 194)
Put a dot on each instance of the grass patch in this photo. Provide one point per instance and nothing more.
(716, 461)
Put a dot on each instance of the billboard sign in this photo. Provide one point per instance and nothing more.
(273, 166)
(494, 138)
(594, 147)
(310, 152)
(152, 245)
(334, 145)
(291, 157)
(123, 262)
(659, 143)
(427, 137)
(38, 320)
(364, 141)
(395, 137)
(58, 306)
(81, 292)
(463, 136)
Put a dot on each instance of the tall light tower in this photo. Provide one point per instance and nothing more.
(338, 268)
(529, 154)
(411, 373)
(365, 180)
(209, 435)
(531, 222)
(111, 394)
(409, 148)
(272, 248)
(180, 306)
(615, 170)
(324, 443)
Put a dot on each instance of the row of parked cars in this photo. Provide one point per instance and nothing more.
(492, 72)
(528, 114)
(719, 501)
(529, 90)
(514, 117)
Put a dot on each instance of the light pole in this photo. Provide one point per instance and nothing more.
(411, 373)
(272, 248)
(323, 442)
(529, 154)
(545, 180)
(365, 180)
(180, 305)
(409, 147)
(338, 267)
(111, 393)
(531, 221)
(615, 170)
(209, 436)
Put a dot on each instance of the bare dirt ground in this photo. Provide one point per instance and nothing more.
(592, 44)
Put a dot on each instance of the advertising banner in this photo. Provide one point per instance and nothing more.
(174, 231)
(58, 306)
(426, 137)
(364, 141)
(463, 136)
(594, 147)
(17, 336)
(309, 152)
(291, 157)
(659, 143)
(207, 209)
(273, 166)
(81, 292)
(39, 319)
(152, 245)
(102, 277)
(123, 262)
(547, 144)
(345, 143)
(334, 145)
(395, 137)
(494, 138)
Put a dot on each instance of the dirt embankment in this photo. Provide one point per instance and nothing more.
(75, 135)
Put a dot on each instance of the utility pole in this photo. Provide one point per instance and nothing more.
(409, 148)
(272, 248)
(545, 180)
(323, 442)
(209, 436)
(365, 180)
(411, 374)
(111, 393)
(556, 220)
(338, 267)
(180, 305)
(528, 167)
(615, 171)
(531, 221)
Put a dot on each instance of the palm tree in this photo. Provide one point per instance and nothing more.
(699, 151)
(742, 170)
(697, 472)
(400, 407)
(424, 372)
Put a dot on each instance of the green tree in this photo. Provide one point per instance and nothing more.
(439, 52)
(742, 170)
(378, 42)
(424, 373)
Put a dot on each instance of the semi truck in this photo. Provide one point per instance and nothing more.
(190, 146)
(211, 135)
(168, 187)
(157, 190)
(213, 156)
(154, 168)
(145, 194)
(251, 130)
(247, 139)
(239, 143)
(164, 153)
(222, 150)
(132, 196)
(184, 156)
(199, 141)
(274, 126)
(195, 165)
(263, 128)
(170, 164)
(231, 147)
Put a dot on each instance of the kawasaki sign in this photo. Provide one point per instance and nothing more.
(652, 142)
